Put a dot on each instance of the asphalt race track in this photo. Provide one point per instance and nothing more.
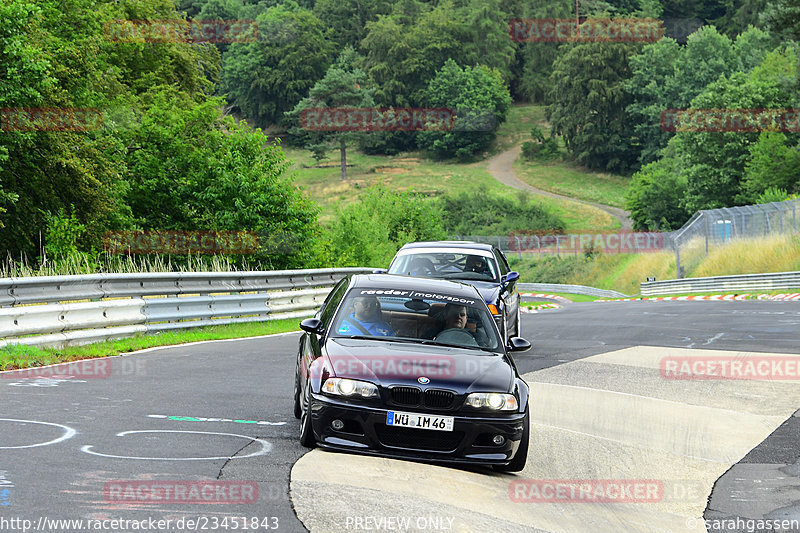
(212, 423)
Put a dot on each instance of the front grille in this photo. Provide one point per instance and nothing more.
(438, 399)
(409, 396)
(419, 439)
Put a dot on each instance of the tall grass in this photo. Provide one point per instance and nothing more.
(115, 263)
(624, 272)
(776, 253)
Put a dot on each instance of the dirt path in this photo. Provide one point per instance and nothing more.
(501, 168)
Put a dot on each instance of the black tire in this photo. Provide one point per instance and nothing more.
(297, 408)
(306, 431)
(521, 457)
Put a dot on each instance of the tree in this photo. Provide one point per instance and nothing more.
(589, 99)
(666, 76)
(490, 43)
(715, 161)
(481, 101)
(343, 86)
(403, 53)
(655, 88)
(538, 58)
(655, 197)
(347, 19)
(369, 231)
(192, 169)
(772, 164)
(266, 78)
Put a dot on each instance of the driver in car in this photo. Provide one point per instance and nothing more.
(455, 323)
(476, 263)
(366, 319)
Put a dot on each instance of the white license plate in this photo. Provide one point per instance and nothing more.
(416, 420)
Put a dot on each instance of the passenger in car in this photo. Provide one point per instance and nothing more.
(366, 319)
(455, 317)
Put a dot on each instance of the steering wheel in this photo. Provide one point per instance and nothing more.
(456, 336)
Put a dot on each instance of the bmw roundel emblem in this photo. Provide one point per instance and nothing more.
(423, 380)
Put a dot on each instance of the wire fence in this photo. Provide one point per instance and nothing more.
(709, 228)
(716, 227)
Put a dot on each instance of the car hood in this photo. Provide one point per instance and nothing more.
(387, 363)
(488, 289)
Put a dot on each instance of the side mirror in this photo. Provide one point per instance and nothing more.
(312, 325)
(518, 344)
(509, 279)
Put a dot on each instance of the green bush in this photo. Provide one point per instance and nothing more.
(540, 148)
(370, 231)
(483, 213)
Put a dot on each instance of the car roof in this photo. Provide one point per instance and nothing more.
(449, 244)
(393, 281)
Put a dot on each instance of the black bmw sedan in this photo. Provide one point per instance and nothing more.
(413, 368)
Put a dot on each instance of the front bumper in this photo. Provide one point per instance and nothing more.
(365, 431)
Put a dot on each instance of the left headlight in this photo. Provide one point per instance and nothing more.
(350, 388)
(493, 400)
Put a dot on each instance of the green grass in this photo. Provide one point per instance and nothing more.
(517, 127)
(572, 180)
(414, 170)
(569, 296)
(401, 172)
(18, 356)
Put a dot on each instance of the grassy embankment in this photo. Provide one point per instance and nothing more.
(623, 273)
(414, 170)
(19, 356)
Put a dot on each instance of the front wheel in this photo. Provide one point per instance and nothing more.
(297, 408)
(306, 431)
(521, 457)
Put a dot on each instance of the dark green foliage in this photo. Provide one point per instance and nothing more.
(162, 157)
(541, 148)
(483, 213)
(589, 98)
(772, 165)
(370, 231)
(481, 101)
(656, 197)
(267, 78)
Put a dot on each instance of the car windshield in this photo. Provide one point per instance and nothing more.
(426, 317)
(446, 265)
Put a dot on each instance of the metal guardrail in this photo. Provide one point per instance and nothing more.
(44, 311)
(743, 282)
(570, 289)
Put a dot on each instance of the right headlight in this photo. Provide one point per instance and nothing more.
(350, 388)
(493, 400)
